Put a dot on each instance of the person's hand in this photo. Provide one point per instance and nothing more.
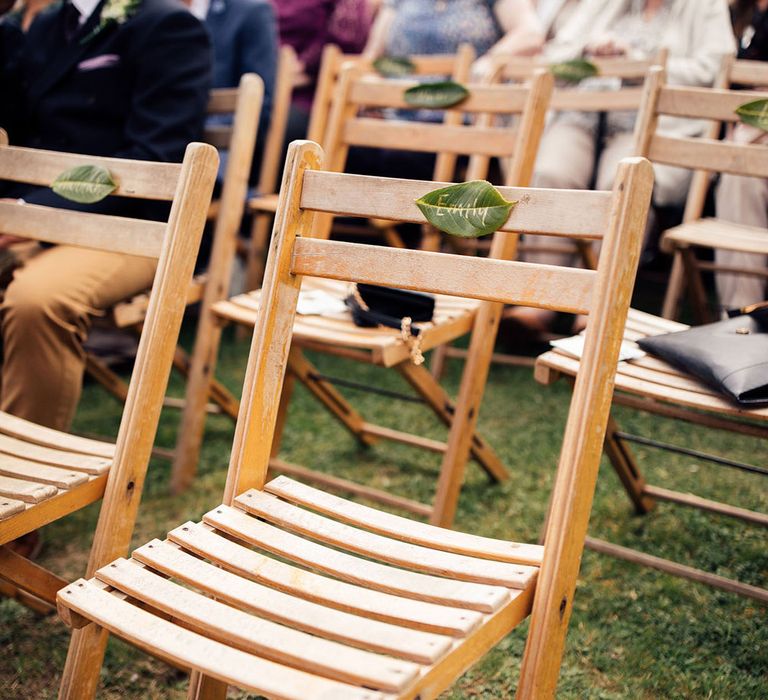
(607, 47)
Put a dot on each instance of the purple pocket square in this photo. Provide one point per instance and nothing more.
(104, 61)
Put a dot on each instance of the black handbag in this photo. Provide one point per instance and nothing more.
(731, 355)
(372, 305)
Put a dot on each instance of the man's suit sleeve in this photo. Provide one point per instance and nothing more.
(258, 52)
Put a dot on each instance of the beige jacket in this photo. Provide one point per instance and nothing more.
(697, 36)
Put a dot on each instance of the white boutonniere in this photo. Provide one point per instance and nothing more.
(114, 12)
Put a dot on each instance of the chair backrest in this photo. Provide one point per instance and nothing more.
(455, 65)
(174, 244)
(479, 141)
(732, 72)
(628, 97)
(706, 154)
(238, 138)
(617, 218)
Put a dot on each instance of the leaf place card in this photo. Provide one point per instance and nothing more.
(394, 66)
(574, 71)
(436, 95)
(468, 210)
(754, 113)
(85, 184)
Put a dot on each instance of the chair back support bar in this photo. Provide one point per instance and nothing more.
(137, 179)
(566, 213)
(168, 300)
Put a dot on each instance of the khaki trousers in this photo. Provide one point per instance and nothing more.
(566, 160)
(741, 200)
(45, 317)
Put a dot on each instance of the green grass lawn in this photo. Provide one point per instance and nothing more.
(635, 633)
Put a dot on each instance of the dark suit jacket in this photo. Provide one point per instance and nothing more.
(244, 37)
(135, 90)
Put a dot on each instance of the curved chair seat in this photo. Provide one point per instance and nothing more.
(420, 602)
(716, 233)
(453, 318)
(45, 474)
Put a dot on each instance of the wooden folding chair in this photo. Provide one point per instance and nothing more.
(698, 232)
(370, 605)
(385, 347)
(263, 206)
(238, 138)
(46, 474)
(651, 385)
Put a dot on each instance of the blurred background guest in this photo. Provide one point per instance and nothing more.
(571, 155)
(553, 14)
(744, 200)
(307, 26)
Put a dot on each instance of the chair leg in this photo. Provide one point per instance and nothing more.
(257, 251)
(436, 397)
(326, 393)
(203, 687)
(200, 376)
(671, 304)
(626, 468)
(437, 363)
(696, 291)
(82, 670)
(463, 426)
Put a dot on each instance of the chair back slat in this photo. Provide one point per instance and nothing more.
(754, 73)
(429, 137)
(139, 179)
(704, 103)
(96, 231)
(222, 101)
(707, 154)
(510, 282)
(371, 91)
(566, 213)
(517, 68)
(597, 101)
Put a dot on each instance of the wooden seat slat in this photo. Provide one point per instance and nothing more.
(57, 458)
(27, 491)
(352, 568)
(377, 605)
(403, 528)
(386, 549)
(664, 325)
(311, 617)
(10, 507)
(40, 473)
(189, 649)
(255, 635)
(47, 437)
(715, 233)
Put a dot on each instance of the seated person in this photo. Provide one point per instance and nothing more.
(692, 31)
(244, 40)
(134, 87)
(744, 200)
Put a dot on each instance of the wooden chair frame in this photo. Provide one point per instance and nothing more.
(263, 207)
(47, 474)
(239, 138)
(695, 231)
(460, 417)
(224, 645)
(654, 386)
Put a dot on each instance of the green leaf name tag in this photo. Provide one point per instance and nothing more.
(85, 184)
(436, 95)
(754, 113)
(394, 66)
(574, 71)
(469, 210)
